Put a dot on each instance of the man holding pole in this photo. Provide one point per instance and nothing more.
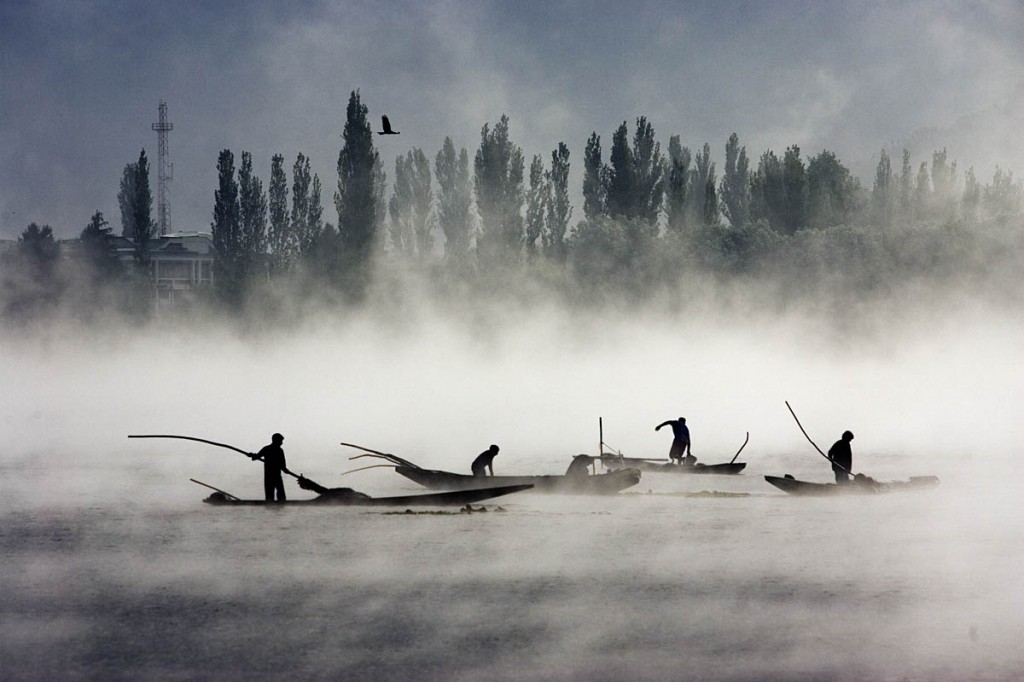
(842, 458)
(273, 464)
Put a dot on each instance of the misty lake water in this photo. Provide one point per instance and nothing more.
(112, 568)
(661, 584)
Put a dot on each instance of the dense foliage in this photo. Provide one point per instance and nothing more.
(653, 224)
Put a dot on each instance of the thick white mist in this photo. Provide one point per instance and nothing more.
(112, 562)
(930, 388)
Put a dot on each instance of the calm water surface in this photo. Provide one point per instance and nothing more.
(648, 586)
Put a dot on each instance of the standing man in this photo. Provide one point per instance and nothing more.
(485, 461)
(273, 464)
(680, 450)
(842, 458)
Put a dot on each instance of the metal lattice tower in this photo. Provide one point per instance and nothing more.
(164, 171)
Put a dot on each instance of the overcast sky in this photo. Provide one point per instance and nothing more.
(81, 82)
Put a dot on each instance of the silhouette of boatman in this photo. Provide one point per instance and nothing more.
(842, 458)
(485, 461)
(679, 453)
(273, 464)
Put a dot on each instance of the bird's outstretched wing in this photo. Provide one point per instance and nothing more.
(386, 124)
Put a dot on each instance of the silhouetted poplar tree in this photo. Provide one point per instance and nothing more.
(620, 190)
(410, 205)
(315, 216)
(594, 180)
(498, 175)
(536, 196)
(700, 198)
(882, 199)
(648, 173)
(768, 193)
(735, 192)
(400, 208)
(559, 211)
(677, 187)
(454, 198)
(906, 192)
(136, 203)
(280, 239)
(306, 234)
(357, 199)
(421, 197)
(252, 218)
(795, 186)
(226, 230)
(126, 200)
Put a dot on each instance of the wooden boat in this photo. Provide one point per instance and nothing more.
(598, 484)
(859, 485)
(346, 497)
(615, 462)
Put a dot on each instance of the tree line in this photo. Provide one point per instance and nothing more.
(648, 218)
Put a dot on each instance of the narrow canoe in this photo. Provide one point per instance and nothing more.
(615, 462)
(865, 486)
(357, 499)
(598, 484)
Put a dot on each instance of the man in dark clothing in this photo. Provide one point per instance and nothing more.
(842, 458)
(680, 450)
(485, 461)
(273, 464)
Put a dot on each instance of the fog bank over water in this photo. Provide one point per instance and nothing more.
(941, 382)
(114, 569)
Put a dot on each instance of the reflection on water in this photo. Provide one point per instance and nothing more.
(639, 587)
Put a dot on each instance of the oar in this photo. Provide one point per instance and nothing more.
(812, 442)
(743, 446)
(210, 442)
(207, 485)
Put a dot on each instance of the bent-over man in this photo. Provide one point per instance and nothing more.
(679, 453)
(484, 462)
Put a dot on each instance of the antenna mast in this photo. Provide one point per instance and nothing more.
(164, 171)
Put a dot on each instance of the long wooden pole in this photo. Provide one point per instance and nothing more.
(812, 442)
(210, 442)
(207, 485)
(741, 448)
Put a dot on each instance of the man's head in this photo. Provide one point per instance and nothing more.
(493, 448)
(682, 420)
(277, 439)
(847, 436)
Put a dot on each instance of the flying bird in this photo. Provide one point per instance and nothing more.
(386, 124)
